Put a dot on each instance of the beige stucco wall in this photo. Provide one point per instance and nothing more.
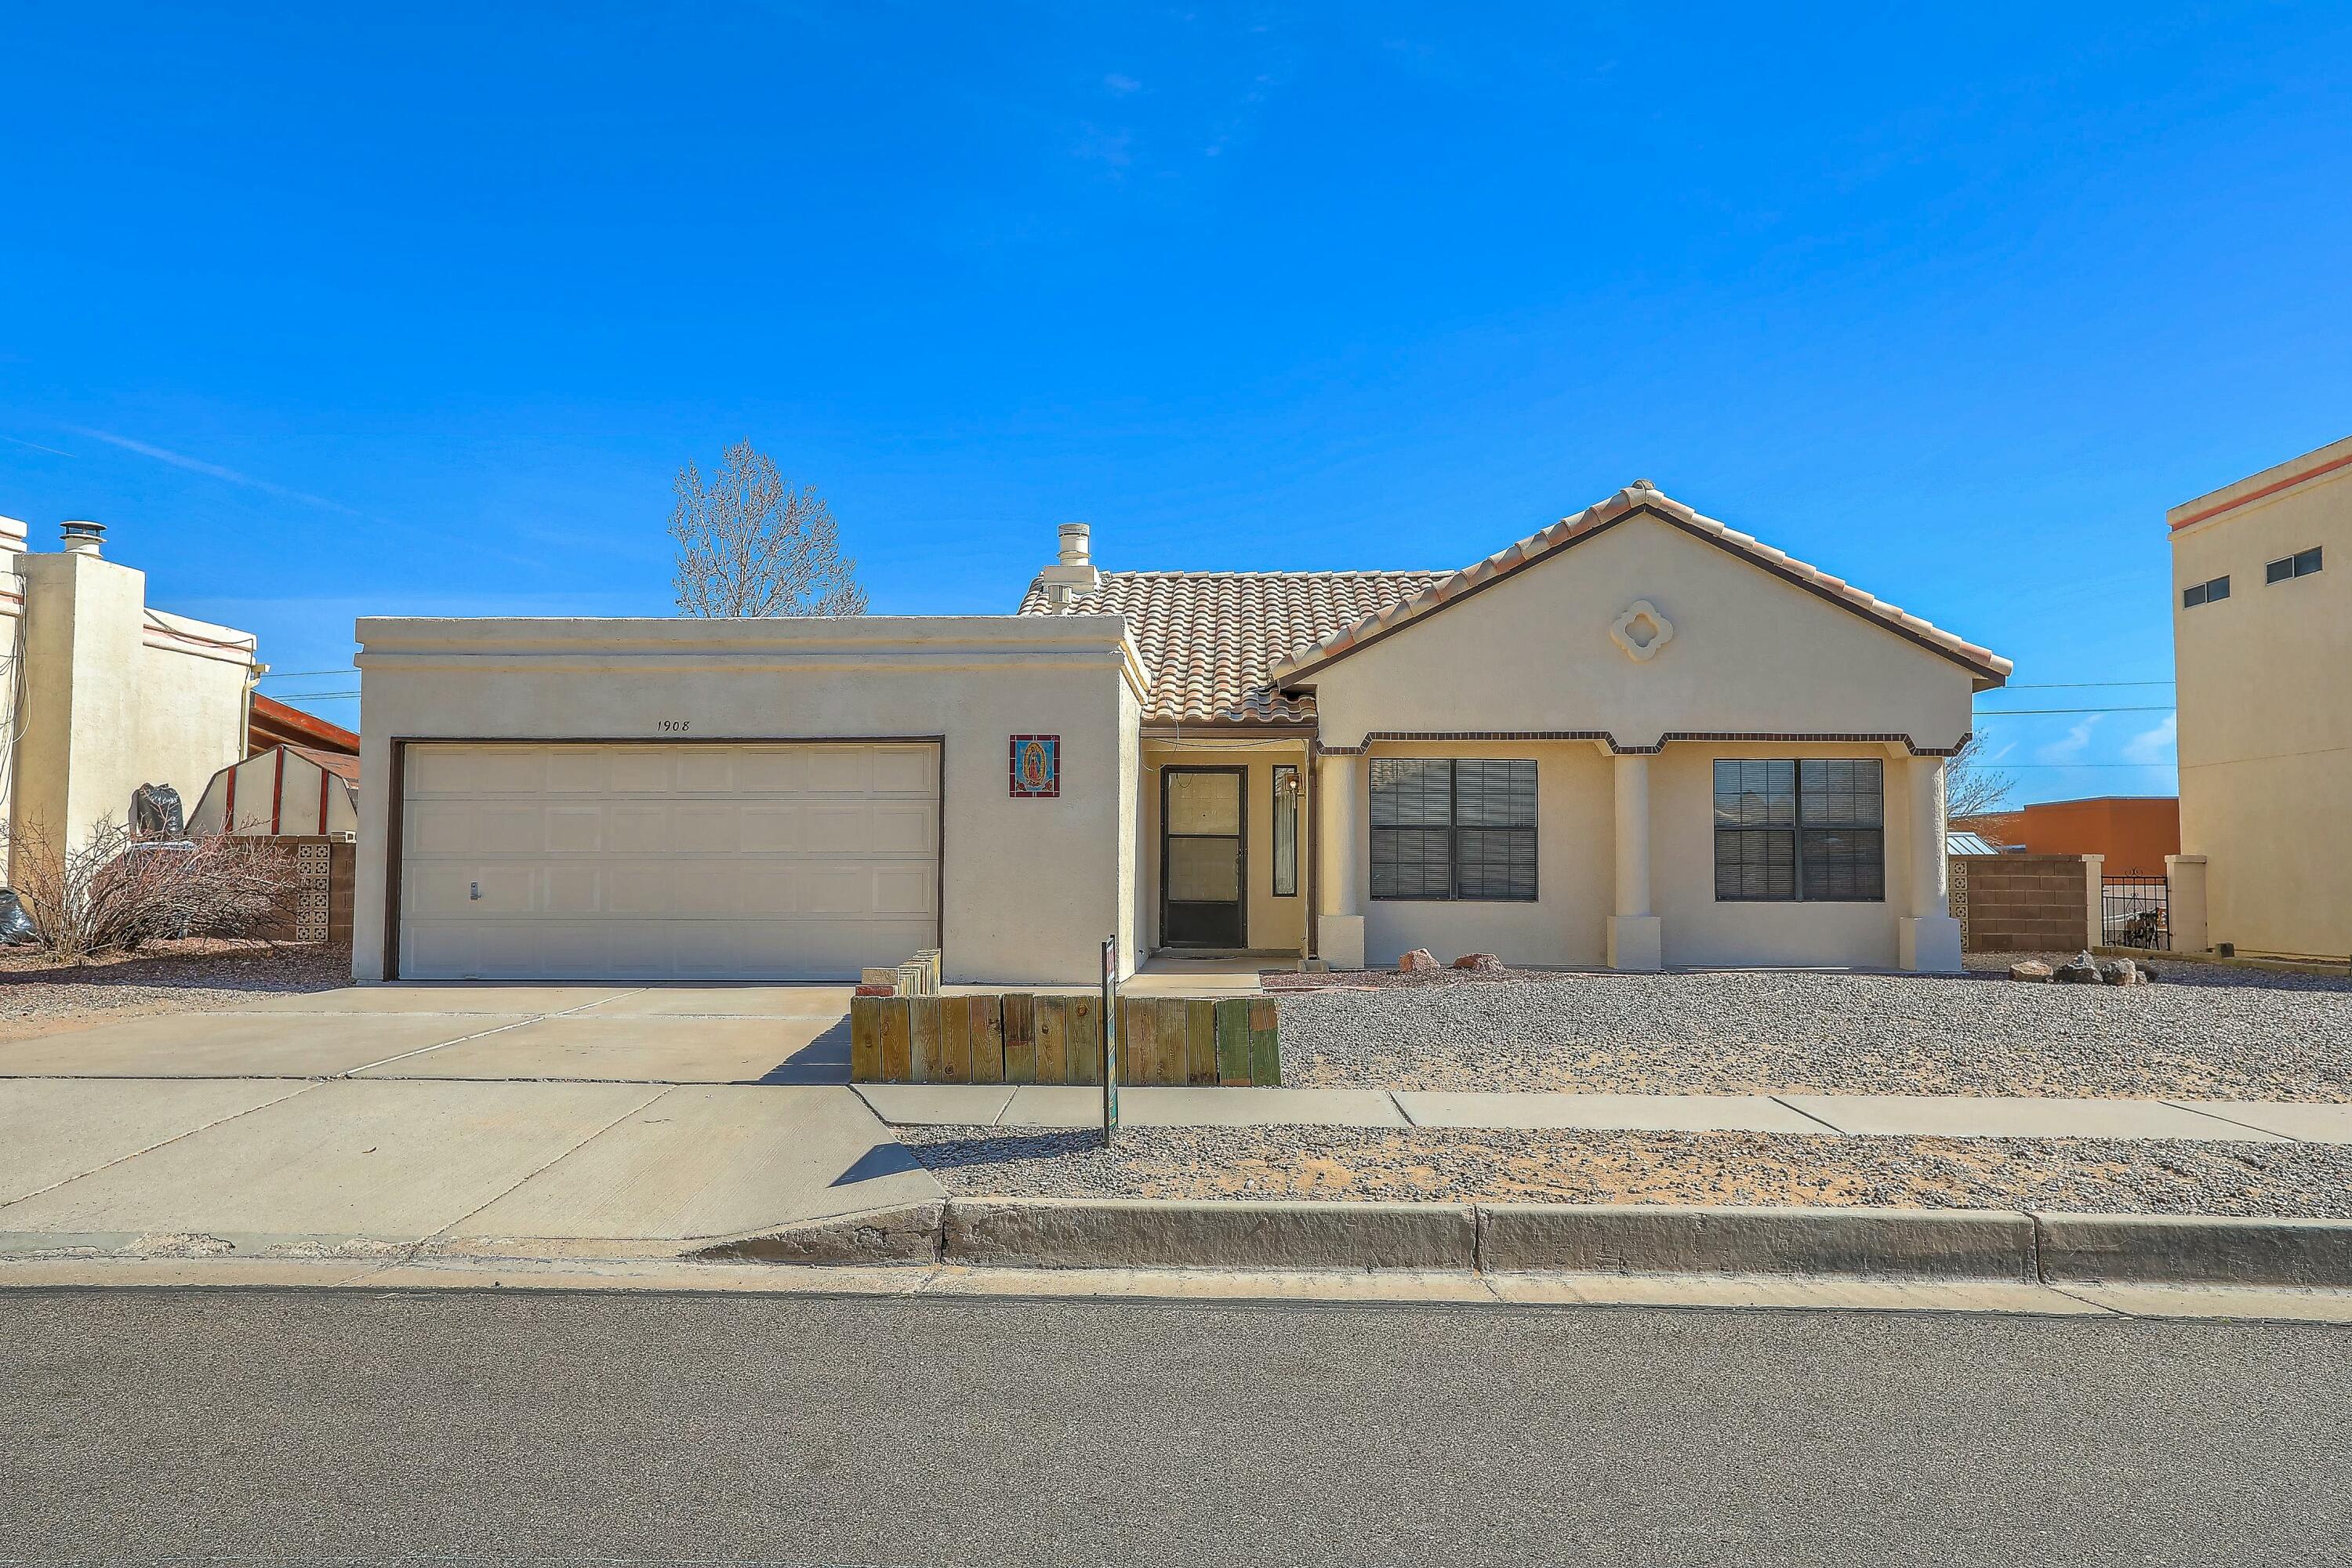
(115, 697)
(1273, 924)
(1029, 887)
(1566, 924)
(1698, 930)
(1750, 653)
(1575, 869)
(2265, 704)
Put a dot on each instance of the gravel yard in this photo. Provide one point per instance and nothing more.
(38, 997)
(2204, 1032)
(1773, 1169)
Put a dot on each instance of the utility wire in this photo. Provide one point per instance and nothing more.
(2074, 685)
(300, 674)
(2016, 713)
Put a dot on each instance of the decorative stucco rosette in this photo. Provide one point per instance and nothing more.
(1642, 631)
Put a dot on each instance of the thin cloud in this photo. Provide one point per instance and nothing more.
(36, 446)
(1119, 81)
(2077, 741)
(2155, 747)
(213, 470)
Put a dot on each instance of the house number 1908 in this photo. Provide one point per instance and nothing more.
(674, 726)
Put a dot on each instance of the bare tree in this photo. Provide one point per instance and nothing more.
(117, 889)
(1971, 787)
(749, 544)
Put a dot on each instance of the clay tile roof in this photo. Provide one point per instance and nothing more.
(1209, 638)
(1990, 668)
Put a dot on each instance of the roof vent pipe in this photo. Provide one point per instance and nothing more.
(82, 537)
(1073, 572)
(1077, 550)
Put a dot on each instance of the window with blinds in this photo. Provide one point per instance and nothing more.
(1801, 831)
(1453, 828)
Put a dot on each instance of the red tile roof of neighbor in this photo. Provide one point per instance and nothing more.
(1221, 646)
(273, 723)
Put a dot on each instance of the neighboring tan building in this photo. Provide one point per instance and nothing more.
(105, 693)
(1635, 738)
(2262, 613)
(2137, 833)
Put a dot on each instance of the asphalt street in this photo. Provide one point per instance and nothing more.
(311, 1426)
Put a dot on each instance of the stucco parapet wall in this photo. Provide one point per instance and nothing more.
(200, 639)
(944, 642)
(2331, 461)
(1989, 667)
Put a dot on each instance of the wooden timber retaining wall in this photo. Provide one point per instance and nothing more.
(1025, 1037)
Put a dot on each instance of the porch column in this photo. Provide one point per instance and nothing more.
(1339, 922)
(1928, 937)
(1636, 938)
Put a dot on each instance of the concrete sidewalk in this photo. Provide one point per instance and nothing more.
(361, 1167)
(1915, 1116)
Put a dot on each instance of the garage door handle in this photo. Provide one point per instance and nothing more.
(476, 892)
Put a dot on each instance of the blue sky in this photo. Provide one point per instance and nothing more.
(329, 312)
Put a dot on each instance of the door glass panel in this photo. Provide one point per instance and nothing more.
(1204, 803)
(1203, 870)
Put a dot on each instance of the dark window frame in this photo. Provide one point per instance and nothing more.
(1827, 847)
(2286, 568)
(2211, 591)
(1282, 862)
(1466, 844)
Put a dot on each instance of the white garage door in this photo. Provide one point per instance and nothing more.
(667, 862)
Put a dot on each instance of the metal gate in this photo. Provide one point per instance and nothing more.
(2135, 912)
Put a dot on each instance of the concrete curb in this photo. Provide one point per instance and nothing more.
(909, 1234)
(2195, 1249)
(1650, 1238)
(1148, 1232)
(1624, 1239)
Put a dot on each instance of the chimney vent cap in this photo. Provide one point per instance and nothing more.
(83, 537)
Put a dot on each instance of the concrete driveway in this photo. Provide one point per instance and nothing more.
(522, 1121)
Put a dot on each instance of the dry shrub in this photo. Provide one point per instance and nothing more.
(117, 889)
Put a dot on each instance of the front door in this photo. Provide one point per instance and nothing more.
(1201, 863)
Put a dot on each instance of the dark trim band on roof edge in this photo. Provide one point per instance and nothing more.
(1604, 737)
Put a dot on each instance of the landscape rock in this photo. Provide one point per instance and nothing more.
(2080, 969)
(2029, 969)
(2119, 972)
(1479, 964)
(1420, 960)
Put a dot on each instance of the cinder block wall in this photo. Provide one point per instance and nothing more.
(2023, 903)
(317, 904)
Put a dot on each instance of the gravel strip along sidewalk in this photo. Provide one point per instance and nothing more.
(1771, 1169)
(2200, 1033)
(198, 977)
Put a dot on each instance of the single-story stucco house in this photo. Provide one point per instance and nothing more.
(1636, 738)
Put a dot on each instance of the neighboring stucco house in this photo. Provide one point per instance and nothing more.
(2262, 638)
(104, 693)
(1635, 738)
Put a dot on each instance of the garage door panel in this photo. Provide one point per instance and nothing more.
(641, 770)
(650, 861)
(769, 828)
(438, 827)
(579, 770)
(768, 891)
(635, 828)
(903, 827)
(780, 772)
(905, 889)
(840, 771)
(905, 771)
(573, 830)
(703, 827)
(574, 889)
